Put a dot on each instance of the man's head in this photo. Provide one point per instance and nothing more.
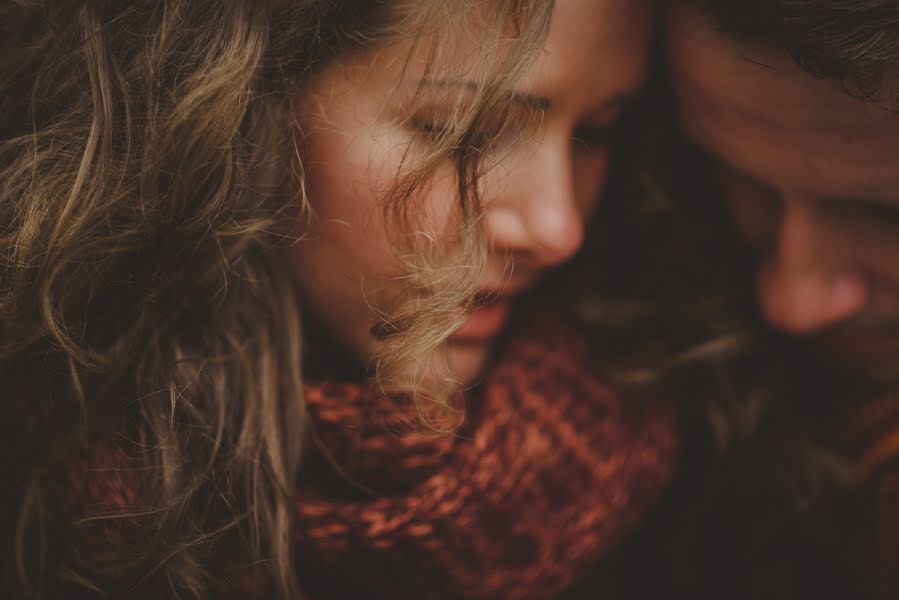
(797, 102)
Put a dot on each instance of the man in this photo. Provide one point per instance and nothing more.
(796, 103)
(808, 157)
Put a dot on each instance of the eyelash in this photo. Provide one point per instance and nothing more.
(430, 129)
(433, 130)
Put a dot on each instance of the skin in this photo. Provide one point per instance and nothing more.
(812, 177)
(542, 189)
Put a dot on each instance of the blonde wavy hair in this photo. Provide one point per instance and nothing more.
(148, 168)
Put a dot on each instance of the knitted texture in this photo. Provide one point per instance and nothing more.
(548, 471)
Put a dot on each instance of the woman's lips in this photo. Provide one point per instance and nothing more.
(484, 322)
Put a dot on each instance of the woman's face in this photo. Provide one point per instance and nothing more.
(543, 187)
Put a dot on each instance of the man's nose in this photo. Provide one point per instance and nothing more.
(539, 219)
(804, 283)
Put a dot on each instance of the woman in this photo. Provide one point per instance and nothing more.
(230, 228)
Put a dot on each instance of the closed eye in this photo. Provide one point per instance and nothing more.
(489, 137)
(863, 209)
(430, 129)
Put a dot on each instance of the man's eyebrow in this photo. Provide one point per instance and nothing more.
(861, 202)
(854, 202)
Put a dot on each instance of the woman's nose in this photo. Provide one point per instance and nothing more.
(538, 217)
(804, 283)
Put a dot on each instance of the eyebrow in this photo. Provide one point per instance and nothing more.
(855, 202)
(525, 99)
(860, 202)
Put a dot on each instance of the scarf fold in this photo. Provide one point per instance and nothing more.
(549, 470)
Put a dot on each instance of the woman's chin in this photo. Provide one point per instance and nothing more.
(455, 368)
(466, 362)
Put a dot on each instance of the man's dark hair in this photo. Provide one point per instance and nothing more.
(852, 41)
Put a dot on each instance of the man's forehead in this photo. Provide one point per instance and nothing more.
(764, 84)
(755, 109)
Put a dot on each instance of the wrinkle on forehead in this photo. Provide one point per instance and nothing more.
(754, 108)
(763, 83)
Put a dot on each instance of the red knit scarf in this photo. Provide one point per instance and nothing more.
(548, 471)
